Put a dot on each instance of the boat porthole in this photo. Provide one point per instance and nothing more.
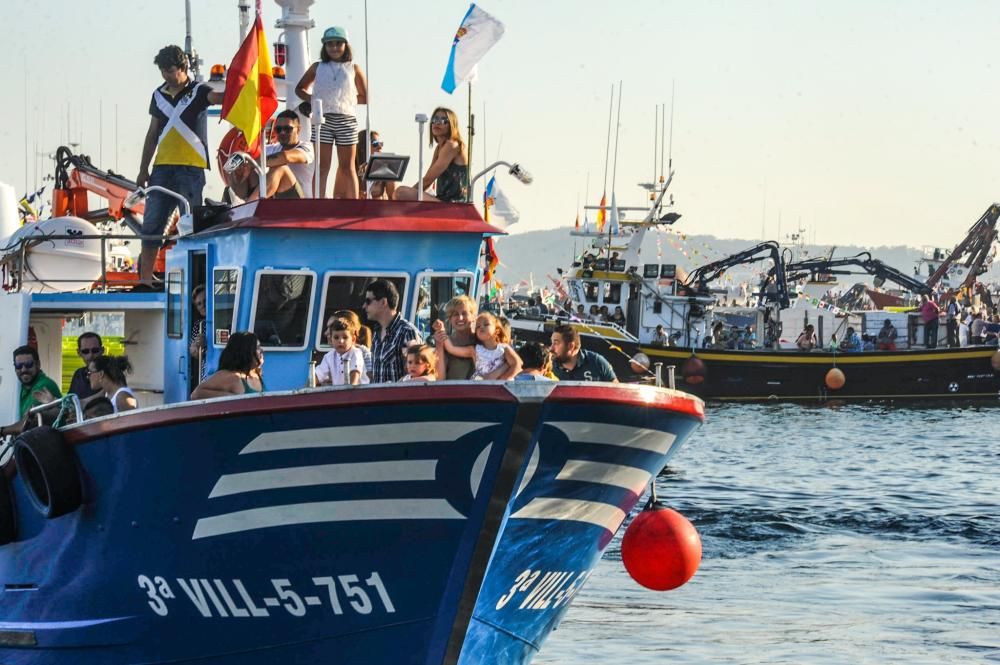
(953, 387)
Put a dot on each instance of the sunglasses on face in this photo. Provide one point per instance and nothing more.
(281, 129)
(92, 372)
(438, 120)
(376, 144)
(28, 364)
(90, 351)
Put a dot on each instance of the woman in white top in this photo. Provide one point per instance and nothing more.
(341, 85)
(107, 375)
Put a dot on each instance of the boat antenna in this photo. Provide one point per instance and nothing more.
(607, 145)
(614, 169)
(656, 147)
(468, 157)
(368, 106)
(670, 159)
(194, 63)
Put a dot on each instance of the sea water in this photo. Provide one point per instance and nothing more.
(836, 534)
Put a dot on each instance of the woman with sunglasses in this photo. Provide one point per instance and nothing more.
(107, 377)
(240, 366)
(449, 167)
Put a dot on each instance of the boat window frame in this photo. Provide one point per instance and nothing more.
(610, 286)
(236, 303)
(320, 343)
(252, 323)
(174, 305)
(441, 273)
(586, 291)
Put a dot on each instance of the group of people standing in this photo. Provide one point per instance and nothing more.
(175, 151)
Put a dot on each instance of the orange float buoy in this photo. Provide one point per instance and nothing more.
(661, 549)
(693, 370)
(995, 361)
(835, 379)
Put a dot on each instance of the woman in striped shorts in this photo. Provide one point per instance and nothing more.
(341, 85)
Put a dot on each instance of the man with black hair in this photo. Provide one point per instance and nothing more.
(289, 150)
(32, 378)
(574, 363)
(394, 333)
(177, 136)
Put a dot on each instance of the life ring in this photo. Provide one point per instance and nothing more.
(50, 471)
(8, 516)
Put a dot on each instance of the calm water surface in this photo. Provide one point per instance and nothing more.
(854, 534)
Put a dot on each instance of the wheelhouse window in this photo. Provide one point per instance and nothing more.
(175, 304)
(434, 290)
(612, 293)
(346, 291)
(225, 300)
(590, 290)
(282, 308)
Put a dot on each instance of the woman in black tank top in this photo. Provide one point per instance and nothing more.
(449, 167)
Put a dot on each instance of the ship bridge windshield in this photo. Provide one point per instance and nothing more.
(434, 290)
(345, 290)
(282, 308)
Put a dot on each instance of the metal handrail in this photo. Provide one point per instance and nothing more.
(22, 245)
(78, 410)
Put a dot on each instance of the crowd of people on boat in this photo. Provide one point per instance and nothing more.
(175, 151)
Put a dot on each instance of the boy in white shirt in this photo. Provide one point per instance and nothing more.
(344, 364)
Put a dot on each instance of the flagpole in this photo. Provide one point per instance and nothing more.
(468, 157)
(262, 187)
(368, 118)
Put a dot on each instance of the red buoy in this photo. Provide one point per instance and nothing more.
(693, 370)
(835, 379)
(661, 549)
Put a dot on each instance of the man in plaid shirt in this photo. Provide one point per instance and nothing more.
(393, 335)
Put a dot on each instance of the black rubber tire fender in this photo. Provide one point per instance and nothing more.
(50, 471)
(8, 514)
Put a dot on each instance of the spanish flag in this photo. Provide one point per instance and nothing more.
(602, 214)
(251, 97)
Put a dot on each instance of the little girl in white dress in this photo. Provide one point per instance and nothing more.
(495, 358)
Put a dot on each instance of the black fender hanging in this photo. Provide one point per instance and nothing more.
(50, 470)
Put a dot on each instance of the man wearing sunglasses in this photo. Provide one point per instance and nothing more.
(32, 378)
(89, 347)
(291, 151)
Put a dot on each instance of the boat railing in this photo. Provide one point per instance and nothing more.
(62, 402)
(15, 269)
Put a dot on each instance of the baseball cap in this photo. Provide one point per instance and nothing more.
(336, 32)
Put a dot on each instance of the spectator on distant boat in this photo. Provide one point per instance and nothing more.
(88, 346)
(660, 336)
(198, 345)
(244, 182)
(341, 85)
(107, 375)
(571, 362)
(618, 318)
(807, 338)
(176, 135)
(929, 313)
(718, 340)
(380, 189)
(605, 314)
(851, 342)
(460, 313)
(977, 328)
(291, 151)
(832, 344)
(421, 361)
(581, 312)
(449, 165)
(595, 313)
(536, 363)
(991, 333)
(952, 310)
(394, 333)
(887, 334)
(240, 369)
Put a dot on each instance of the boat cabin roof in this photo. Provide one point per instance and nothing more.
(355, 215)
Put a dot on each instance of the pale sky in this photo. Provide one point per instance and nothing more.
(869, 122)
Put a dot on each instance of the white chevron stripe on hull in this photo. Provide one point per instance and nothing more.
(324, 474)
(572, 510)
(617, 435)
(362, 435)
(325, 511)
(615, 475)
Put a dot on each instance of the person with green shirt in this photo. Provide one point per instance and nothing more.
(32, 378)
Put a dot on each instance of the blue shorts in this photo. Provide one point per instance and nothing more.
(188, 181)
